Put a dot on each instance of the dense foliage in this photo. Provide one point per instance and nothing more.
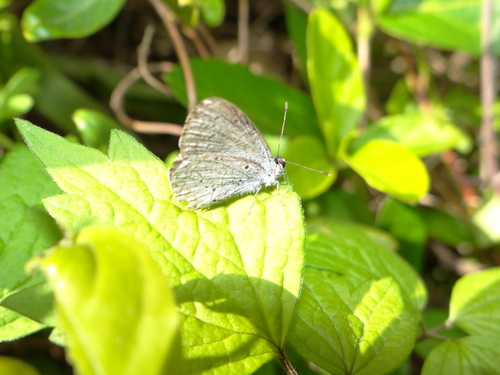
(387, 265)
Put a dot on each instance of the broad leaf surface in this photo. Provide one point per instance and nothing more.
(236, 269)
(266, 112)
(114, 305)
(357, 309)
(26, 229)
(405, 223)
(422, 134)
(467, 355)
(52, 19)
(334, 77)
(455, 23)
(391, 168)
(475, 302)
(11, 366)
(310, 151)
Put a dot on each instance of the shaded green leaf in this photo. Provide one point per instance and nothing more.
(53, 19)
(94, 127)
(35, 302)
(310, 151)
(455, 24)
(450, 229)
(14, 366)
(334, 77)
(468, 355)
(406, 224)
(16, 97)
(238, 82)
(328, 226)
(475, 302)
(26, 228)
(350, 319)
(349, 251)
(61, 96)
(296, 23)
(340, 205)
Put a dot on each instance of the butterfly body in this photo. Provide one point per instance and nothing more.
(222, 155)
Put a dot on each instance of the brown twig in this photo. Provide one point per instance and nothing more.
(243, 30)
(168, 17)
(142, 61)
(488, 148)
(197, 41)
(116, 103)
(302, 4)
(209, 39)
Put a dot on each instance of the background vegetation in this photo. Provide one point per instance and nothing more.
(392, 267)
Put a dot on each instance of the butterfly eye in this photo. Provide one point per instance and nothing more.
(280, 161)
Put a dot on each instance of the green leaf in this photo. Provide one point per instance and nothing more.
(420, 133)
(455, 23)
(349, 251)
(350, 318)
(266, 112)
(114, 305)
(61, 96)
(13, 326)
(26, 228)
(449, 229)
(405, 223)
(435, 317)
(94, 127)
(391, 168)
(475, 302)
(486, 219)
(213, 11)
(53, 19)
(328, 226)
(16, 97)
(401, 99)
(296, 24)
(188, 14)
(236, 277)
(14, 366)
(310, 151)
(334, 77)
(340, 205)
(35, 302)
(468, 355)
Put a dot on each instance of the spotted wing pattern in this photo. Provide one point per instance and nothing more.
(222, 155)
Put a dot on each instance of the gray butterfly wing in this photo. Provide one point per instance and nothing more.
(216, 124)
(203, 182)
(222, 155)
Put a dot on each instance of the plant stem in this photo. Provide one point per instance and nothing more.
(488, 148)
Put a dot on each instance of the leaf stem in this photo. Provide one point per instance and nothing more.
(287, 366)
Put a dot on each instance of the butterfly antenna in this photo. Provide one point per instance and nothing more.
(311, 169)
(279, 144)
(283, 126)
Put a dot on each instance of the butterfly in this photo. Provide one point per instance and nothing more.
(222, 155)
